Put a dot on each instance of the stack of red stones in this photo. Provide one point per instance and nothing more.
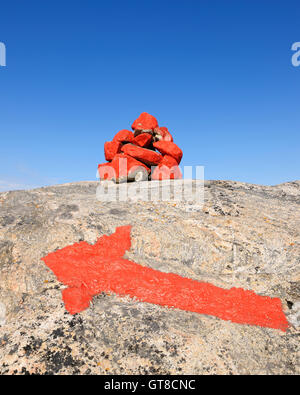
(132, 156)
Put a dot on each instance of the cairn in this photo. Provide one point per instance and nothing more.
(147, 153)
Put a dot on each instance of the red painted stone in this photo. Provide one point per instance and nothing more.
(168, 169)
(111, 148)
(126, 167)
(145, 122)
(106, 171)
(162, 134)
(122, 168)
(149, 157)
(143, 140)
(88, 270)
(169, 148)
(124, 136)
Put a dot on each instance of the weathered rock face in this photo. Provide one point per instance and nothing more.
(245, 236)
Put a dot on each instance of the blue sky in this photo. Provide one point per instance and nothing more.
(218, 74)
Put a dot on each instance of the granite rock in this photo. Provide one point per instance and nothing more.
(244, 236)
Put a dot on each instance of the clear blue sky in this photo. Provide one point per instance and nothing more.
(218, 74)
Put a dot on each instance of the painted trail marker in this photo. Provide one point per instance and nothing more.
(88, 270)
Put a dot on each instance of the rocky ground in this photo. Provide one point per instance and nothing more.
(244, 236)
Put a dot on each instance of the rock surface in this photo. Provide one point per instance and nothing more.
(244, 236)
(145, 122)
(124, 136)
(162, 134)
(147, 156)
(167, 169)
(169, 148)
(111, 149)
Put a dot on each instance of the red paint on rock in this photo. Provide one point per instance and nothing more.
(162, 133)
(111, 148)
(143, 140)
(169, 148)
(91, 269)
(145, 122)
(106, 171)
(147, 156)
(124, 136)
(125, 166)
(168, 169)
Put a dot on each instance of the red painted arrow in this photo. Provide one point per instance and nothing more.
(88, 270)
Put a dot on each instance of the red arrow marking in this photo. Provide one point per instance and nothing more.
(91, 269)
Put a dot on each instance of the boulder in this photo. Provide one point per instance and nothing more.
(111, 148)
(129, 169)
(245, 236)
(168, 169)
(162, 134)
(145, 122)
(147, 156)
(169, 148)
(143, 140)
(124, 136)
